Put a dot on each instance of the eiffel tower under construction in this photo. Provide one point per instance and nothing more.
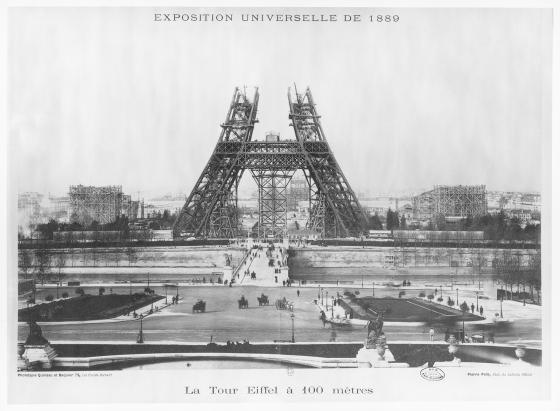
(211, 211)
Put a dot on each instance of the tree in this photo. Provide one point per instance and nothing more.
(390, 219)
(165, 215)
(154, 225)
(396, 219)
(131, 255)
(94, 253)
(49, 297)
(430, 297)
(440, 222)
(25, 262)
(95, 226)
(464, 307)
(116, 258)
(403, 222)
(101, 290)
(48, 229)
(80, 291)
(70, 238)
(534, 275)
(375, 222)
(64, 294)
(44, 259)
(60, 263)
(468, 222)
(507, 270)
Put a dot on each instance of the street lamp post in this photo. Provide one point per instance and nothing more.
(457, 301)
(292, 316)
(327, 300)
(372, 289)
(477, 301)
(332, 307)
(165, 286)
(479, 278)
(463, 327)
(501, 301)
(140, 338)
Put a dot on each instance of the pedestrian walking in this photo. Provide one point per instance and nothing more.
(333, 335)
(472, 308)
(481, 310)
(432, 332)
(298, 293)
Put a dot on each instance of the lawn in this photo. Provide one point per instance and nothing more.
(410, 310)
(87, 307)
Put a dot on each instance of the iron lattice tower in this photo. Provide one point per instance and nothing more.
(211, 208)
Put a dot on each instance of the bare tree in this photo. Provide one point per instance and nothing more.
(43, 267)
(508, 270)
(94, 252)
(25, 262)
(534, 279)
(60, 263)
(132, 255)
(116, 258)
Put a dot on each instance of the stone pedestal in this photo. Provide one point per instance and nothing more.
(371, 358)
(455, 362)
(228, 272)
(40, 355)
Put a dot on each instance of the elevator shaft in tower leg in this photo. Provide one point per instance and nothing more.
(273, 202)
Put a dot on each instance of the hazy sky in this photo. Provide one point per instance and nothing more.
(108, 96)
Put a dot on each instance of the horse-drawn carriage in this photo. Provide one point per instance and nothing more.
(263, 300)
(199, 307)
(283, 304)
(243, 302)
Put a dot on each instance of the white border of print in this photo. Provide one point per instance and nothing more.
(135, 388)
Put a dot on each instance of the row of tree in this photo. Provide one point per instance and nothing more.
(392, 221)
(495, 226)
(44, 265)
(510, 271)
(120, 225)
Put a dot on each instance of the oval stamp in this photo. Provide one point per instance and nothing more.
(432, 374)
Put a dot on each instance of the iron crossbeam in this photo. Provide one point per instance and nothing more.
(211, 209)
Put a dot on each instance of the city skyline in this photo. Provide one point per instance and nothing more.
(159, 195)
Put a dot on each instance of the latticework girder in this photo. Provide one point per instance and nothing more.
(273, 201)
(335, 210)
(343, 214)
(221, 174)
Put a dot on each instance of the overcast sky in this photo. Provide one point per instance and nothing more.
(108, 96)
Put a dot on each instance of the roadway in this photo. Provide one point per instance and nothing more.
(224, 321)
